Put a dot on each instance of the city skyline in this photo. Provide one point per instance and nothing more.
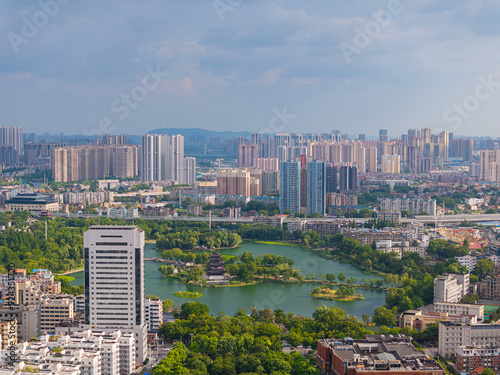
(255, 66)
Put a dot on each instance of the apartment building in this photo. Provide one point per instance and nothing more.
(470, 358)
(153, 313)
(86, 352)
(451, 287)
(414, 205)
(489, 287)
(452, 335)
(76, 163)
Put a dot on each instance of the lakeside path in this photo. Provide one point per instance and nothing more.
(70, 271)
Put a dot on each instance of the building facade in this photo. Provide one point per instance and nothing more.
(114, 282)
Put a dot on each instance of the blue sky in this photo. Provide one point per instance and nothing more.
(69, 66)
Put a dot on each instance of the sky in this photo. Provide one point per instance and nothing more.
(127, 67)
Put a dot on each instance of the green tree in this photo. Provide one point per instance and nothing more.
(384, 316)
(483, 268)
(342, 277)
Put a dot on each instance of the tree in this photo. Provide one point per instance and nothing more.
(483, 268)
(330, 277)
(366, 319)
(342, 277)
(167, 304)
(384, 316)
(196, 308)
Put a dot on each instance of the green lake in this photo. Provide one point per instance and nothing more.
(287, 297)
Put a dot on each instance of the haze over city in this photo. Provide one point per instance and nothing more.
(230, 65)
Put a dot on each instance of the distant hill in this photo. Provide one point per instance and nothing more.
(186, 132)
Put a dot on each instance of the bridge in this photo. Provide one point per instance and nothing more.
(426, 219)
(452, 218)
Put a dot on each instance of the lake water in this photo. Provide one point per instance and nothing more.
(289, 297)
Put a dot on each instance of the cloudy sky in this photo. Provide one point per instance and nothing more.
(126, 66)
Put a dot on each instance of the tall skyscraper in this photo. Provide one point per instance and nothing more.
(114, 282)
(362, 137)
(382, 135)
(163, 159)
(247, 155)
(331, 177)
(316, 187)
(390, 163)
(290, 187)
(12, 136)
(348, 178)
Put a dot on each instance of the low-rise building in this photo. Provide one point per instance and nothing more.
(452, 335)
(231, 212)
(382, 355)
(92, 352)
(461, 308)
(153, 313)
(489, 287)
(469, 358)
(420, 320)
(194, 209)
(32, 202)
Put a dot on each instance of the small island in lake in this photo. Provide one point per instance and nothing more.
(187, 294)
(343, 293)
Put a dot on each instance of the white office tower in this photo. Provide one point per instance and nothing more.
(114, 282)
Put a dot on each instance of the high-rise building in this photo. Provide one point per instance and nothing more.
(290, 187)
(190, 165)
(163, 159)
(390, 163)
(270, 182)
(332, 178)
(348, 178)
(234, 182)
(12, 136)
(114, 139)
(77, 163)
(316, 187)
(490, 165)
(372, 160)
(114, 282)
(362, 137)
(382, 135)
(463, 148)
(267, 164)
(247, 155)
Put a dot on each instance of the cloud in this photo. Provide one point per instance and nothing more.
(264, 54)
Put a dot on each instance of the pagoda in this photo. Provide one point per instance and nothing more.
(215, 266)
